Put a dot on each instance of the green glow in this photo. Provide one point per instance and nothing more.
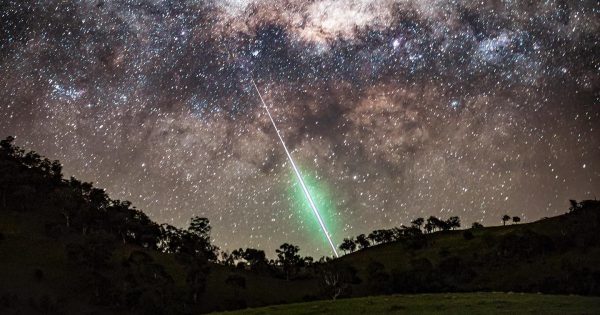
(322, 199)
(309, 198)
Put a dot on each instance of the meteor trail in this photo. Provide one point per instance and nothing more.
(297, 172)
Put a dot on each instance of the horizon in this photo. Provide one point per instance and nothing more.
(395, 109)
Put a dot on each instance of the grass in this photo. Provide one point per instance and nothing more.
(443, 303)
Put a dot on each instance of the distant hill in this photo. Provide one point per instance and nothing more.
(554, 255)
(66, 247)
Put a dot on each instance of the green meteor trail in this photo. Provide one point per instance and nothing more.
(298, 175)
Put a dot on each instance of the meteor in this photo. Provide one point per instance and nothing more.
(297, 172)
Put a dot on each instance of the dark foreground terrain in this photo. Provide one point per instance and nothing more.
(441, 303)
(66, 247)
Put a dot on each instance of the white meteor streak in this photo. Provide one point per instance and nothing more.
(306, 192)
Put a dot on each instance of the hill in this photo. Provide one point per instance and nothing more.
(66, 247)
(553, 255)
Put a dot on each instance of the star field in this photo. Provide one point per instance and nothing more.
(399, 108)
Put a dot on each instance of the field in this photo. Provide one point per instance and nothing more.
(443, 303)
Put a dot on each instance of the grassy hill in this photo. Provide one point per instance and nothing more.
(553, 255)
(66, 247)
(449, 303)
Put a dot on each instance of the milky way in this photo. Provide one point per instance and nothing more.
(398, 109)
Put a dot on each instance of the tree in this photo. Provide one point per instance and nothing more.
(333, 283)
(574, 205)
(195, 241)
(308, 261)
(516, 219)
(387, 235)
(435, 224)
(505, 218)
(443, 225)
(288, 258)
(362, 241)
(336, 279)
(170, 240)
(200, 227)
(411, 232)
(255, 259)
(429, 227)
(254, 256)
(453, 222)
(381, 236)
(348, 245)
(476, 225)
(6, 145)
(418, 222)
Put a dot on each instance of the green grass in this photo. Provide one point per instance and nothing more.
(445, 303)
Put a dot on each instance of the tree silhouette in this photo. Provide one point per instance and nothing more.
(435, 224)
(288, 259)
(516, 219)
(453, 222)
(418, 222)
(362, 241)
(476, 225)
(255, 259)
(200, 227)
(505, 218)
(196, 240)
(348, 245)
(574, 205)
(429, 227)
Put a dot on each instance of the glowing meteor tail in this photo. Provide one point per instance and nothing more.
(297, 172)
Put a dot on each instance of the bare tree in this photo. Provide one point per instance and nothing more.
(333, 283)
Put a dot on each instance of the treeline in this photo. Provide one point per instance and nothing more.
(93, 225)
(418, 226)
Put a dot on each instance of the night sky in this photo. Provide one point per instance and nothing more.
(392, 109)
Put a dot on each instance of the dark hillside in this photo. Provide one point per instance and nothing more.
(553, 255)
(66, 247)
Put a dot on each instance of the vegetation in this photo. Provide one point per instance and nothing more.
(66, 247)
(457, 303)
